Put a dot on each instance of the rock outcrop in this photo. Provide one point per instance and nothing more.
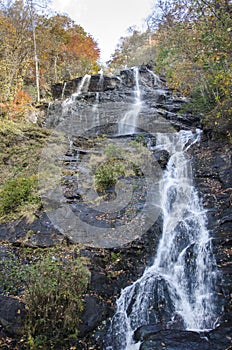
(115, 268)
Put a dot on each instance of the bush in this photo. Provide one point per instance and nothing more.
(52, 288)
(54, 300)
(107, 174)
(16, 192)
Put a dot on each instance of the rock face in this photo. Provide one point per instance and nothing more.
(181, 340)
(212, 162)
(12, 313)
(108, 98)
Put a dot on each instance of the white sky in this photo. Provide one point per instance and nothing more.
(105, 20)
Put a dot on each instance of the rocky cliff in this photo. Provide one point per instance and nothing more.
(112, 269)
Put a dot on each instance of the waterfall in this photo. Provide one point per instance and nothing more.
(63, 90)
(101, 80)
(95, 112)
(156, 79)
(127, 125)
(180, 285)
(84, 85)
(82, 88)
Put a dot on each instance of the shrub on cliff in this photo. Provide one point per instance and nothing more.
(51, 284)
(17, 192)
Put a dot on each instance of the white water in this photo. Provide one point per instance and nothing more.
(84, 85)
(95, 112)
(127, 125)
(157, 82)
(63, 91)
(101, 80)
(180, 284)
(82, 88)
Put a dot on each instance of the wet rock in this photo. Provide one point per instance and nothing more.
(182, 121)
(114, 269)
(212, 163)
(39, 233)
(66, 89)
(103, 83)
(42, 240)
(143, 332)
(221, 337)
(218, 339)
(162, 157)
(176, 340)
(127, 77)
(93, 313)
(12, 314)
(97, 83)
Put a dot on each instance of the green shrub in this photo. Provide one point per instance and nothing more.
(113, 151)
(55, 300)
(118, 162)
(107, 174)
(52, 288)
(17, 192)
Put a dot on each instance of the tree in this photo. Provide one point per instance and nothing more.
(32, 11)
(15, 48)
(38, 49)
(135, 49)
(194, 49)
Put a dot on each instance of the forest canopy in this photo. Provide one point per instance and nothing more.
(39, 48)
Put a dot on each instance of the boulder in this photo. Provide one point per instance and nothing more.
(12, 314)
(162, 157)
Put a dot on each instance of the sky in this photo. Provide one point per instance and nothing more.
(106, 20)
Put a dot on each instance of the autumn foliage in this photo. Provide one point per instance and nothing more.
(63, 49)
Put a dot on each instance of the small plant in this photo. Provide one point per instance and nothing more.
(139, 142)
(115, 257)
(107, 174)
(17, 192)
(118, 162)
(10, 277)
(113, 151)
(54, 299)
(52, 287)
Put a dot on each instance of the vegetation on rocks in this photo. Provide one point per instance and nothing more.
(190, 43)
(51, 283)
(118, 162)
(21, 145)
(17, 192)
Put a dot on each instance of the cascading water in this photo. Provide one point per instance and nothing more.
(82, 88)
(95, 111)
(84, 85)
(127, 125)
(155, 77)
(180, 285)
(101, 80)
(63, 91)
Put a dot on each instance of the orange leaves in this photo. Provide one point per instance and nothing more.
(22, 98)
(15, 109)
(81, 46)
(64, 50)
